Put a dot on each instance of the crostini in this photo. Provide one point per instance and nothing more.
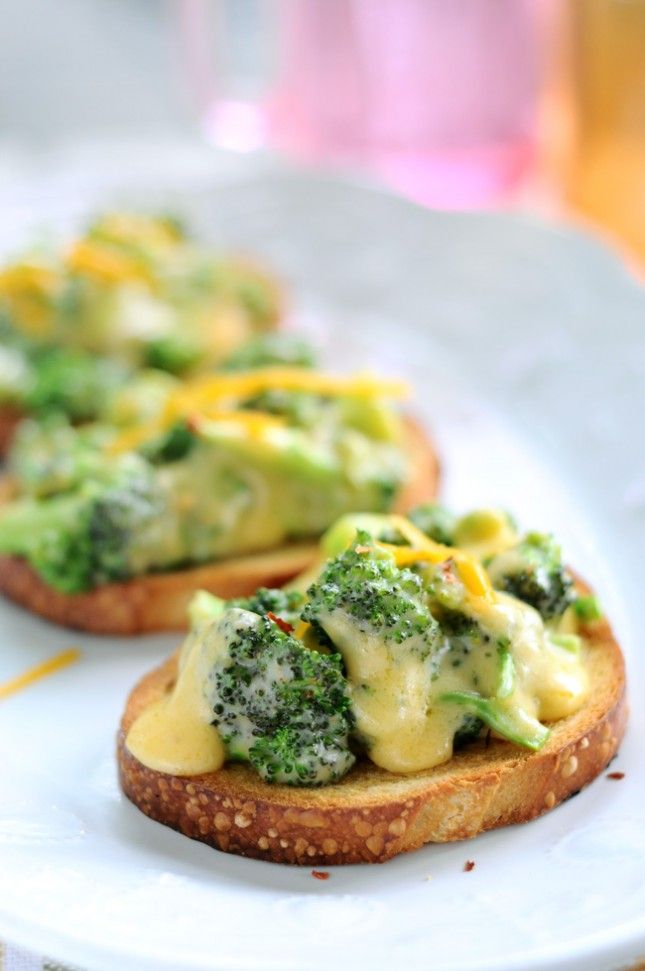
(428, 679)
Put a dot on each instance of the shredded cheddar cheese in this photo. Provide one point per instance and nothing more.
(255, 425)
(105, 264)
(128, 227)
(471, 572)
(205, 397)
(301, 629)
(28, 289)
(27, 277)
(39, 671)
(244, 384)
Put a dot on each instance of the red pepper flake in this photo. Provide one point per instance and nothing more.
(615, 775)
(320, 874)
(193, 423)
(469, 865)
(282, 624)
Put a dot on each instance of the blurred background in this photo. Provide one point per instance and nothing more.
(531, 104)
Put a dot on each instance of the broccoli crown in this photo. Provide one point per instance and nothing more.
(368, 585)
(284, 604)
(173, 353)
(71, 381)
(283, 708)
(85, 537)
(112, 521)
(435, 521)
(533, 571)
(463, 637)
(171, 446)
(49, 455)
(271, 350)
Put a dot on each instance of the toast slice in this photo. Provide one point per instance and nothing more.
(158, 601)
(10, 418)
(372, 815)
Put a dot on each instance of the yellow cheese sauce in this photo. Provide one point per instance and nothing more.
(400, 692)
(396, 695)
(174, 735)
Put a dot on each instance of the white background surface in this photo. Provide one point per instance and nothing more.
(525, 345)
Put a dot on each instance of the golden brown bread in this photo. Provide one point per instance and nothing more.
(372, 815)
(157, 602)
(10, 418)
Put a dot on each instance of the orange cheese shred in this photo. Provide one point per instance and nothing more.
(42, 670)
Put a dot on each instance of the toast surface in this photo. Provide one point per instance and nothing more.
(372, 815)
(158, 601)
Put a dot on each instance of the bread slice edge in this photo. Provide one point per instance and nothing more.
(372, 815)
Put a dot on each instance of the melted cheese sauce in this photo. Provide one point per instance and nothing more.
(174, 735)
(396, 695)
(550, 681)
(397, 690)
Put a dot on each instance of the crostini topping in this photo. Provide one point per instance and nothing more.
(137, 287)
(388, 651)
(98, 504)
(132, 292)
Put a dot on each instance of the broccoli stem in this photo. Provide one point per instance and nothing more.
(514, 726)
(506, 672)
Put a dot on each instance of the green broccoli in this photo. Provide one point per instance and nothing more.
(49, 455)
(174, 353)
(366, 583)
(171, 446)
(89, 535)
(435, 521)
(283, 604)
(271, 350)
(71, 381)
(533, 571)
(277, 705)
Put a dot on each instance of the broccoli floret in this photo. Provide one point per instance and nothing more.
(285, 604)
(464, 637)
(271, 350)
(298, 407)
(435, 521)
(366, 583)
(533, 571)
(88, 536)
(71, 381)
(174, 354)
(277, 705)
(49, 455)
(173, 445)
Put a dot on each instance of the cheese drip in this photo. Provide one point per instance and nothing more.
(174, 734)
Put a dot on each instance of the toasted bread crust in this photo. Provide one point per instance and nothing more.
(10, 418)
(372, 815)
(157, 602)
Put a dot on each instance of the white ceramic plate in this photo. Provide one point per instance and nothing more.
(526, 347)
